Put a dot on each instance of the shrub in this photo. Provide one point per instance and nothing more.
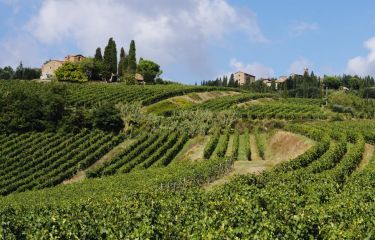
(71, 72)
(107, 118)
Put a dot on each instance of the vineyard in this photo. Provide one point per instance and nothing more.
(140, 184)
(91, 94)
(39, 160)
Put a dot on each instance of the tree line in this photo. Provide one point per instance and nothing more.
(22, 110)
(223, 81)
(107, 67)
(21, 72)
(307, 85)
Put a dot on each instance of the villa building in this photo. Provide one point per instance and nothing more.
(243, 78)
(49, 68)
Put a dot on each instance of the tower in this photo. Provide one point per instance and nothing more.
(306, 71)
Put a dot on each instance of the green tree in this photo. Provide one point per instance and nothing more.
(110, 56)
(93, 68)
(31, 73)
(71, 72)
(128, 78)
(6, 73)
(132, 59)
(332, 82)
(354, 83)
(108, 118)
(225, 81)
(19, 72)
(122, 66)
(231, 82)
(98, 54)
(149, 70)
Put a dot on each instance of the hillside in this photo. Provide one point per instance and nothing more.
(135, 162)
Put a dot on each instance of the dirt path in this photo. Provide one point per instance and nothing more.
(110, 155)
(187, 100)
(367, 156)
(193, 150)
(254, 102)
(282, 146)
(205, 96)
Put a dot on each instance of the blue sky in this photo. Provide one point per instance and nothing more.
(195, 40)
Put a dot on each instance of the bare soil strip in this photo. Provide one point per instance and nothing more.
(205, 96)
(255, 101)
(285, 145)
(282, 146)
(193, 150)
(110, 155)
(367, 156)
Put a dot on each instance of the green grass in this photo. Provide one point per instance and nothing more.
(168, 105)
(244, 152)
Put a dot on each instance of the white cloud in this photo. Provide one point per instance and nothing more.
(298, 28)
(298, 66)
(257, 69)
(363, 65)
(168, 31)
(20, 48)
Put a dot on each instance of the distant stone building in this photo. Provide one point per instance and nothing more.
(268, 82)
(242, 78)
(74, 58)
(280, 81)
(49, 68)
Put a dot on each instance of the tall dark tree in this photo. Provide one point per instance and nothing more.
(132, 59)
(225, 81)
(98, 54)
(121, 67)
(231, 82)
(19, 72)
(110, 56)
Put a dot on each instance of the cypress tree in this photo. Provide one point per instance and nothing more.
(132, 59)
(231, 82)
(121, 65)
(98, 54)
(110, 56)
(225, 81)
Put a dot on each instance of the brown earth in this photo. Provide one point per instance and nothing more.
(282, 146)
(254, 102)
(110, 155)
(193, 150)
(367, 156)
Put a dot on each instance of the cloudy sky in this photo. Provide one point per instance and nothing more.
(195, 40)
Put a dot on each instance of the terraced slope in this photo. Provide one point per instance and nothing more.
(320, 194)
(39, 160)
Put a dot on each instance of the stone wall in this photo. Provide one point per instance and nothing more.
(49, 68)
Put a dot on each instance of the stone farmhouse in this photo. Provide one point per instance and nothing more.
(49, 68)
(281, 80)
(243, 78)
